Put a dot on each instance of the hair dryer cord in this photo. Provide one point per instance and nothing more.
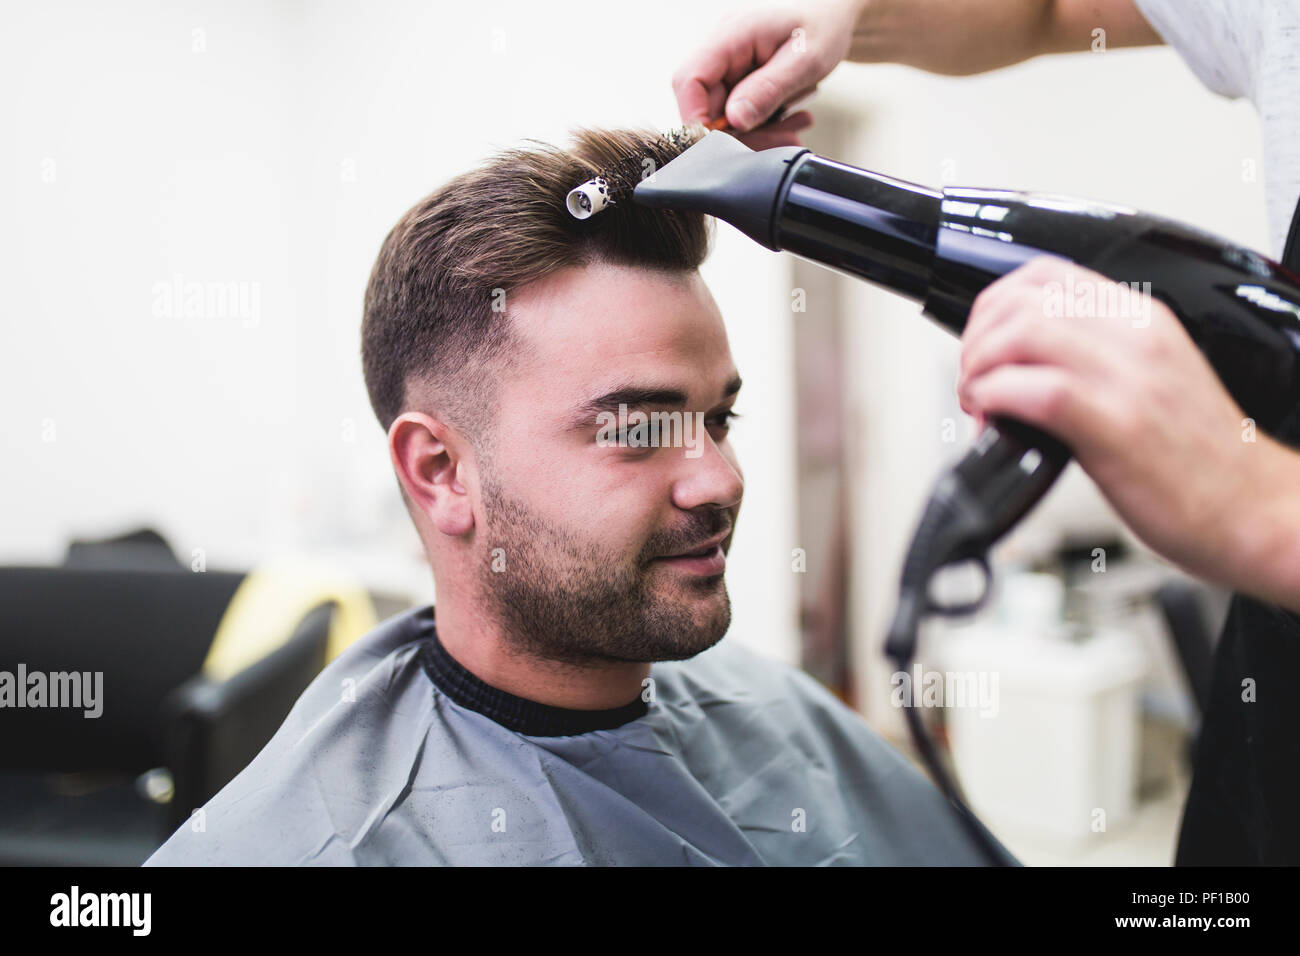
(973, 504)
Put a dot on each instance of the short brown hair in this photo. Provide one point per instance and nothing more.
(429, 315)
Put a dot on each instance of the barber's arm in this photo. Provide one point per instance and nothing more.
(758, 60)
(1148, 420)
(957, 37)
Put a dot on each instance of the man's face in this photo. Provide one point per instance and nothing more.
(583, 523)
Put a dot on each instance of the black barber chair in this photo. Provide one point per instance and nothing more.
(107, 790)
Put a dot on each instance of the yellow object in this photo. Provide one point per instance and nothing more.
(272, 600)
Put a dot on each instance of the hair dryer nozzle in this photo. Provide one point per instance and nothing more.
(722, 177)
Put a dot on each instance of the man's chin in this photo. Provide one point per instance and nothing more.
(708, 625)
(676, 652)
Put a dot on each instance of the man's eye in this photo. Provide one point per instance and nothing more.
(645, 442)
(626, 440)
(724, 419)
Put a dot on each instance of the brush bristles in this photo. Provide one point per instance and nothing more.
(623, 175)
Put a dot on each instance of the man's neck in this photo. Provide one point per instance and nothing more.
(476, 643)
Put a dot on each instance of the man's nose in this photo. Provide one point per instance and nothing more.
(711, 479)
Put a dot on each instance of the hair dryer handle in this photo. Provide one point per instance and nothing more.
(1008, 470)
(974, 503)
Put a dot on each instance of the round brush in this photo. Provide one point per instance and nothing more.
(621, 177)
(617, 180)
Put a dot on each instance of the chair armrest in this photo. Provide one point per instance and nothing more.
(210, 729)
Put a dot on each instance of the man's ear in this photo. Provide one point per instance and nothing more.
(428, 457)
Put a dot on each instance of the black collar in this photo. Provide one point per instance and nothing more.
(515, 713)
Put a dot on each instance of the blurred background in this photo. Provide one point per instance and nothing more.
(193, 196)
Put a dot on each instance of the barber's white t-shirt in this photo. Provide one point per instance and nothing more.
(1247, 48)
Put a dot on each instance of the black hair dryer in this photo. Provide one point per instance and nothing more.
(941, 248)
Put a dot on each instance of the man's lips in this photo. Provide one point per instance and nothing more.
(703, 549)
(710, 564)
(707, 559)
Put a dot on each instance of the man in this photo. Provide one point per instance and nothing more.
(1141, 409)
(570, 701)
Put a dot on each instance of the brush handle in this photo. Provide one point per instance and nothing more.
(720, 124)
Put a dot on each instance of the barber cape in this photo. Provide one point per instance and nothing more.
(397, 755)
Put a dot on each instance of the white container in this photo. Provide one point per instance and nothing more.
(1058, 756)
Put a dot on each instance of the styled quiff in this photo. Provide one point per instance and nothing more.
(431, 335)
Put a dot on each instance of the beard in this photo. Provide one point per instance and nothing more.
(561, 597)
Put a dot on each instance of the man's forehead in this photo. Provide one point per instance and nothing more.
(592, 315)
(594, 330)
(596, 304)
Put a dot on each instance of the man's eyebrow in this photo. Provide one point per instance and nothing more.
(637, 396)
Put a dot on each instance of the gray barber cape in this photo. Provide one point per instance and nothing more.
(390, 758)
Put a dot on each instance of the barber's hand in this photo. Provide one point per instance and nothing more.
(1146, 418)
(755, 62)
